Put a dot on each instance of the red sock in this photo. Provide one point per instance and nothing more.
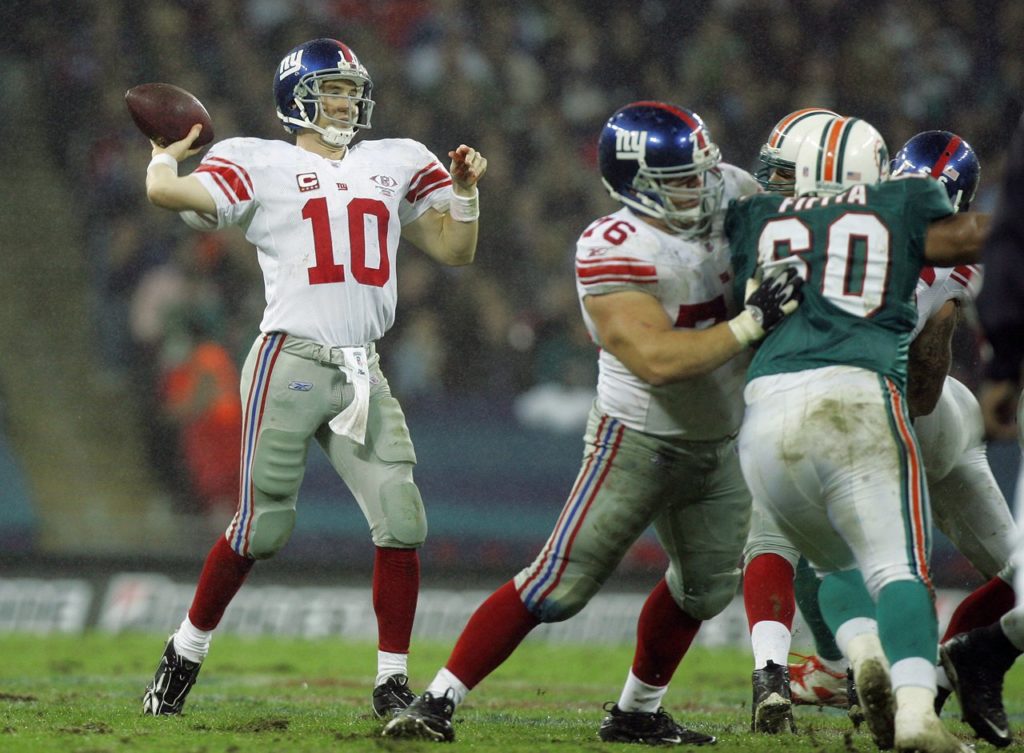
(983, 606)
(664, 633)
(494, 631)
(396, 587)
(768, 590)
(222, 576)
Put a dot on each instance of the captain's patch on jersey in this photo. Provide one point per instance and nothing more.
(307, 181)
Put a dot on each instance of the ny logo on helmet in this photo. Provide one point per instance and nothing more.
(291, 64)
(630, 144)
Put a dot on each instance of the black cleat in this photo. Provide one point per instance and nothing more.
(646, 728)
(976, 668)
(941, 696)
(771, 710)
(428, 717)
(391, 696)
(175, 676)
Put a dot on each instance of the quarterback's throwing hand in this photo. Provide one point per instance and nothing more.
(768, 301)
(468, 166)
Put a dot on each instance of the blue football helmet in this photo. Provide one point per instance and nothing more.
(297, 90)
(647, 150)
(947, 158)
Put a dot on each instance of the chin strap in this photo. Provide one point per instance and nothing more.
(333, 136)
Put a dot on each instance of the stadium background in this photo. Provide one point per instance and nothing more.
(103, 297)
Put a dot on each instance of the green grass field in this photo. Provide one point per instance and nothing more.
(82, 695)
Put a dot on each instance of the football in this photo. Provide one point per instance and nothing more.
(165, 113)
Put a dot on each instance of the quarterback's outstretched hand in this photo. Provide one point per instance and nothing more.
(768, 301)
(468, 166)
(182, 149)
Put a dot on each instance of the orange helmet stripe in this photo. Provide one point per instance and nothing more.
(782, 127)
(828, 172)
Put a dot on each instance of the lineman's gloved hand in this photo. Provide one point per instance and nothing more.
(768, 301)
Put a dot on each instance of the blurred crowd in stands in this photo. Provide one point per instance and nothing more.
(528, 82)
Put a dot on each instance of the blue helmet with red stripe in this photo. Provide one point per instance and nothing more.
(299, 95)
(659, 160)
(946, 157)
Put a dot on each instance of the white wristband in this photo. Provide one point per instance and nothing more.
(465, 208)
(163, 159)
(745, 329)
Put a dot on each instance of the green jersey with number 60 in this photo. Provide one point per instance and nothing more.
(860, 253)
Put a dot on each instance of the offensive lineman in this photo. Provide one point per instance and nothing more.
(660, 441)
(979, 659)
(326, 219)
(827, 442)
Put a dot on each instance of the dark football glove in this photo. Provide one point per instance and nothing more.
(768, 302)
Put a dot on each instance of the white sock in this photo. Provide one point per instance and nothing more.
(637, 695)
(913, 672)
(191, 642)
(852, 629)
(770, 640)
(389, 664)
(443, 682)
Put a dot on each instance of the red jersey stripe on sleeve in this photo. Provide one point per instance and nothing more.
(619, 279)
(963, 274)
(230, 174)
(221, 184)
(430, 189)
(426, 181)
(592, 271)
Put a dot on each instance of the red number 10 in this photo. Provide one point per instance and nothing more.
(326, 270)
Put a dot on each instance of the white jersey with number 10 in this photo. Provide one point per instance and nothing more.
(326, 231)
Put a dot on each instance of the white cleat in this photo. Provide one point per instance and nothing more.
(918, 732)
(877, 702)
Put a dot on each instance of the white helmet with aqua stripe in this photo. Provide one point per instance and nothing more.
(840, 153)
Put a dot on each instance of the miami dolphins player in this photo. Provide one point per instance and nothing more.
(967, 504)
(826, 442)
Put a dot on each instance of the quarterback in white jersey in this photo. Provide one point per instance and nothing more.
(298, 208)
(660, 440)
(326, 218)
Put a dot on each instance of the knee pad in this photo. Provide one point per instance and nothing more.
(706, 598)
(270, 530)
(280, 463)
(404, 518)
